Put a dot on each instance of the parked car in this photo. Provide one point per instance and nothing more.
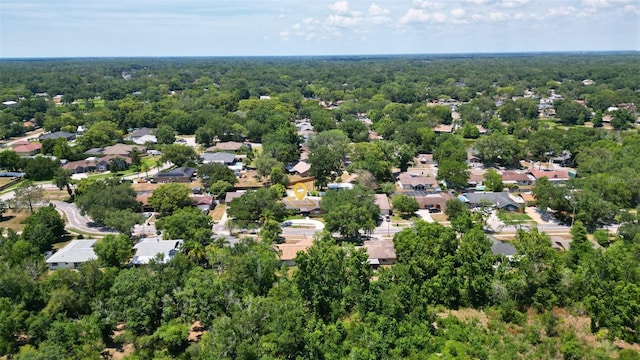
(286, 223)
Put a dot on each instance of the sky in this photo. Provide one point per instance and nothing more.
(116, 28)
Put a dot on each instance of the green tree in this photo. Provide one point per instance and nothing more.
(10, 160)
(165, 134)
(214, 172)
(331, 279)
(98, 198)
(178, 154)
(249, 208)
(114, 250)
(28, 195)
(493, 181)
(170, 197)
(264, 165)
(454, 173)
(62, 179)
(349, 211)
(40, 168)
(405, 205)
(44, 228)
(188, 224)
(220, 188)
(122, 221)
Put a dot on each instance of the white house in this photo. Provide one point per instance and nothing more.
(73, 255)
(149, 248)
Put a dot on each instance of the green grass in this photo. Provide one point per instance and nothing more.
(513, 218)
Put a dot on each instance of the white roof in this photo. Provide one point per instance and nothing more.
(147, 249)
(145, 138)
(77, 251)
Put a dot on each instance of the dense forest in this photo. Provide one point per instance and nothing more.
(448, 296)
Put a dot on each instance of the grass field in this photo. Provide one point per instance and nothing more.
(513, 218)
(14, 220)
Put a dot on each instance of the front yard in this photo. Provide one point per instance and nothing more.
(511, 218)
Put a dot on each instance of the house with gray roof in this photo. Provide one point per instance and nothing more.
(76, 253)
(181, 174)
(151, 248)
(500, 200)
(218, 157)
(56, 135)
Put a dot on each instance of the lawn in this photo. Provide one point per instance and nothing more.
(513, 218)
(14, 220)
(217, 213)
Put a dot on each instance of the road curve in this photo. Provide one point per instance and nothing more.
(80, 222)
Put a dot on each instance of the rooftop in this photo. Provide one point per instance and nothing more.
(77, 251)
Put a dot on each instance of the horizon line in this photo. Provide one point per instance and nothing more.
(542, 52)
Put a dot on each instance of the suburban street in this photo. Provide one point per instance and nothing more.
(80, 222)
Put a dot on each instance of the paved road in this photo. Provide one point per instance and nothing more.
(80, 222)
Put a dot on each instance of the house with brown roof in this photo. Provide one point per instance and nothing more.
(442, 129)
(433, 201)
(307, 206)
(97, 164)
(121, 149)
(30, 149)
(383, 203)
(380, 252)
(230, 146)
(516, 177)
(555, 176)
(301, 168)
(417, 182)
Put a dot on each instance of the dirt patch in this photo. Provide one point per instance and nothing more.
(467, 315)
(439, 218)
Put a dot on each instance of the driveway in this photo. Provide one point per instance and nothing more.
(425, 215)
(80, 222)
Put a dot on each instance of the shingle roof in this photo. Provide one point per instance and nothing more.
(220, 157)
(148, 248)
(177, 172)
(499, 199)
(57, 135)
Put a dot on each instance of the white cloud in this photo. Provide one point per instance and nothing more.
(477, 2)
(341, 7)
(562, 11)
(513, 3)
(596, 3)
(419, 15)
(296, 26)
(375, 10)
(459, 12)
(632, 9)
(284, 35)
(343, 21)
(427, 4)
(498, 16)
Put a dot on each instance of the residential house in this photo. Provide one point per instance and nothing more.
(301, 168)
(146, 139)
(517, 178)
(555, 176)
(230, 146)
(181, 174)
(97, 164)
(219, 157)
(436, 201)
(232, 195)
(287, 252)
(74, 254)
(424, 159)
(204, 203)
(380, 252)
(307, 206)
(151, 248)
(122, 149)
(500, 200)
(95, 151)
(56, 135)
(383, 203)
(417, 182)
(30, 149)
(442, 129)
(145, 131)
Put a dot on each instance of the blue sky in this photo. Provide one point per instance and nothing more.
(80, 28)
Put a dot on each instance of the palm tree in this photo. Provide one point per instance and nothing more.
(196, 251)
(144, 168)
